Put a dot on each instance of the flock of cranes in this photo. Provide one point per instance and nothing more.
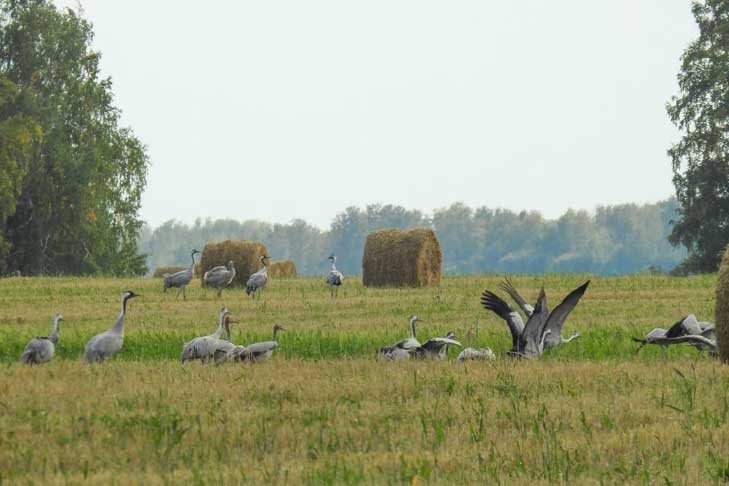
(542, 330)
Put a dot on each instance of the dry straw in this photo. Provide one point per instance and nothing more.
(160, 271)
(244, 254)
(395, 258)
(722, 308)
(284, 268)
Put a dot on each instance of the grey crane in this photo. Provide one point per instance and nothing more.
(688, 330)
(470, 353)
(436, 347)
(696, 340)
(105, 345)
(554, 338)
(42, 348)
(220, 276)
(181, 279)
(528, 340)
(258, 351)
(334, 277)
(203, 348)
(226, 349)
(258, 280)
(402, 350)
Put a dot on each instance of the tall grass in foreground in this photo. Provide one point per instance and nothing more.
(361, 421)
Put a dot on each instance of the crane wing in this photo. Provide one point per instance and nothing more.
(498, 306)
(508, 287)
(559, 314)
(531, 338)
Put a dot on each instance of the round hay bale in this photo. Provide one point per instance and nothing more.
(160, 271)
(245, 255)
(396, 258)
(283, 268)
(722, 309)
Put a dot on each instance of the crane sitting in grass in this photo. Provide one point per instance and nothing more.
(105, 345)
(257, 351)
(470, 353)
(204, 347)
(41, 349)
(181, 279)
(402, 350)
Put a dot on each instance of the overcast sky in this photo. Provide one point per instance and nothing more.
(298, 109)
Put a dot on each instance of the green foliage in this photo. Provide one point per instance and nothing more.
(19, 133)
(701, 158)
(80, 194)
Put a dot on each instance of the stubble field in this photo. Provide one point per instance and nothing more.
(323, 410)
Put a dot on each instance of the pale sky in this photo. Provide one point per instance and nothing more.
(276, 110)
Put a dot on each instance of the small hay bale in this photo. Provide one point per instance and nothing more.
(722, 309)
(245, 255)
(284, 268)
(160, 271)
(396, 258)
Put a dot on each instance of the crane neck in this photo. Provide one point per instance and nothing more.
(413, 328)
(219, 330)
(54, 335)
(118, 326)
(192, 265)
(227, 332)
(334, 264)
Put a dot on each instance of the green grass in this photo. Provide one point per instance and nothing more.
(323, 411)
(354, 325)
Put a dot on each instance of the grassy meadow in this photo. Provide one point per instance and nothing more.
(323, 411)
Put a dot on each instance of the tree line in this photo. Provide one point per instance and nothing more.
(613, 240)
(71, 179)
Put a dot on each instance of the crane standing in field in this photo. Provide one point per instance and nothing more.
(181, 279)
(258, 280)
(554, 338)
(108, 343)
(204, 347)
(334, 277)
(220, 276)
(41, 349)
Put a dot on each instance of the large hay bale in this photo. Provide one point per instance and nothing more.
(395, 258)
(284, 268)
(160, 271)
(245, 255)
(722, 309)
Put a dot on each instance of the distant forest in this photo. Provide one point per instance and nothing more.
(614, 240)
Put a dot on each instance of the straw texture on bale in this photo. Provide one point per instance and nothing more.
(395, 258)
(160, 271)
(284, 268)
(244, 254)
(722, 309)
